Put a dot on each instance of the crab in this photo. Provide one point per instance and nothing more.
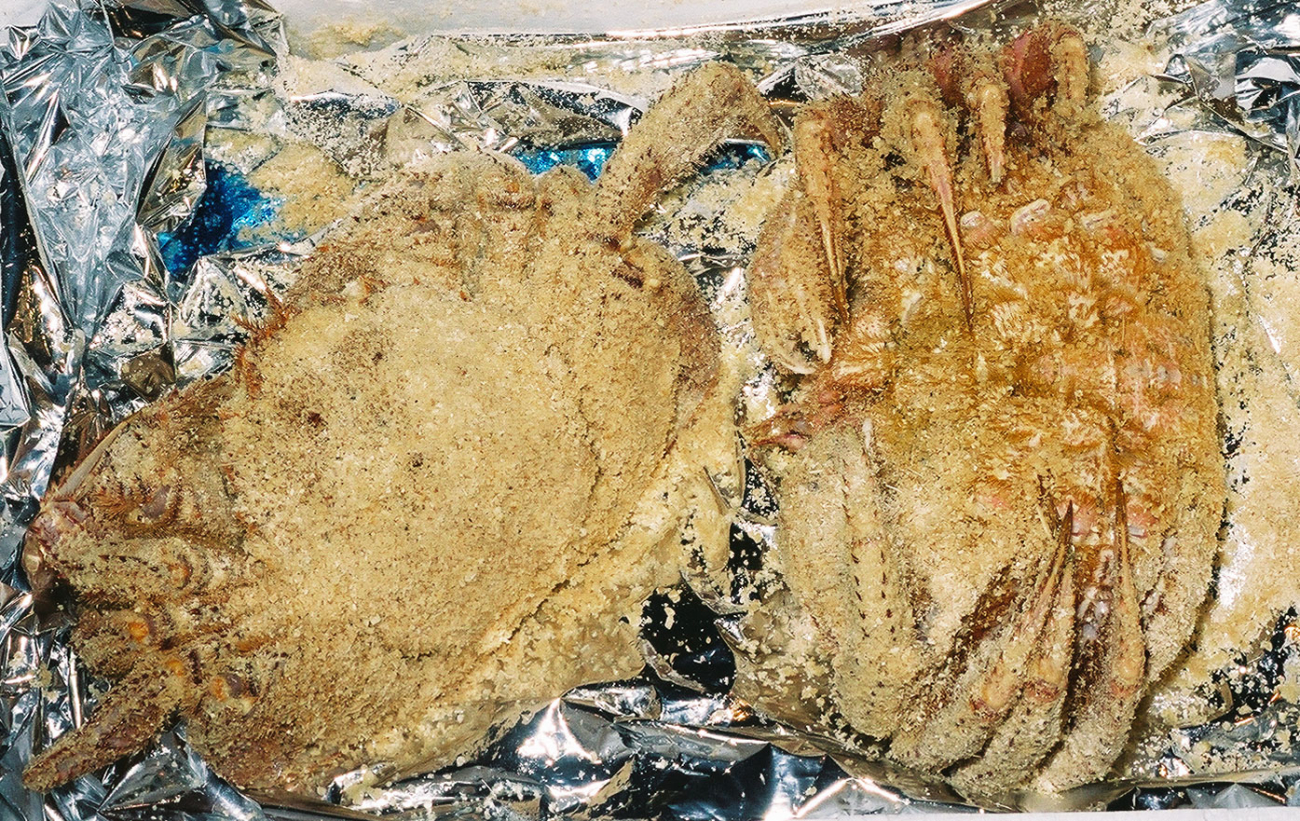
(1000, 482)
(421, 495)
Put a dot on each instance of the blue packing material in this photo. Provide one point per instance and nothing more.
(590, 159)
(224, 219)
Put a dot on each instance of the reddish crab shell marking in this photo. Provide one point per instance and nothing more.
(1001, 514)
(407, 506)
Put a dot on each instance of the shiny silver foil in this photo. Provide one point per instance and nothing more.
(1238, 60)
(111, 116)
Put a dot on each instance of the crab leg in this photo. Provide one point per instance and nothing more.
(974, 82)
(163, 567)
(847, 543)
(1033, 727)
(130, 717)
(706, 107)
(928, 143)
(996, 672)
(180, 536)
(917, 128)
(1163, 395)
(110, 641)
(1049, 58)
(1104, 715)
(988, 101)
(1071, 57)
(1170, 608)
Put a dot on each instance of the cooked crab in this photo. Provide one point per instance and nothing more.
(422, 495)
(1001, 509)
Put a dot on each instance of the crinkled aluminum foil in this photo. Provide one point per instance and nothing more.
(111, 296)
(1238, 60)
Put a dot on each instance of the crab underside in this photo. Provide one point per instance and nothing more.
(1000, 480)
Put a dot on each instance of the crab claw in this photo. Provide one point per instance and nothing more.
(797, 279)
(790, 289)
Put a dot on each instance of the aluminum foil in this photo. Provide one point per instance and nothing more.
(1238, 60)
(134, 253)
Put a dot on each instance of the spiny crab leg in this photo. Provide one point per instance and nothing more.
(70, 486)
(998, 670)
(709, 105)
(988, 99)
(1003, 684)
(1104, 717)
(815, 153)
(131, 715)
(60, 510)
(1130, 664)
(928, 142)
(975, 83)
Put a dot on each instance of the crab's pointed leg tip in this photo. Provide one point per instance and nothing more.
(997, 168)
(1071, 54)
(991, 106)
(928, 142)
(823, 349)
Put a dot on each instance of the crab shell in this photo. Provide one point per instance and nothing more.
(408, 507)
(1001, 514)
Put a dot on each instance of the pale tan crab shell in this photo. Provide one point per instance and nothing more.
(439, 482)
